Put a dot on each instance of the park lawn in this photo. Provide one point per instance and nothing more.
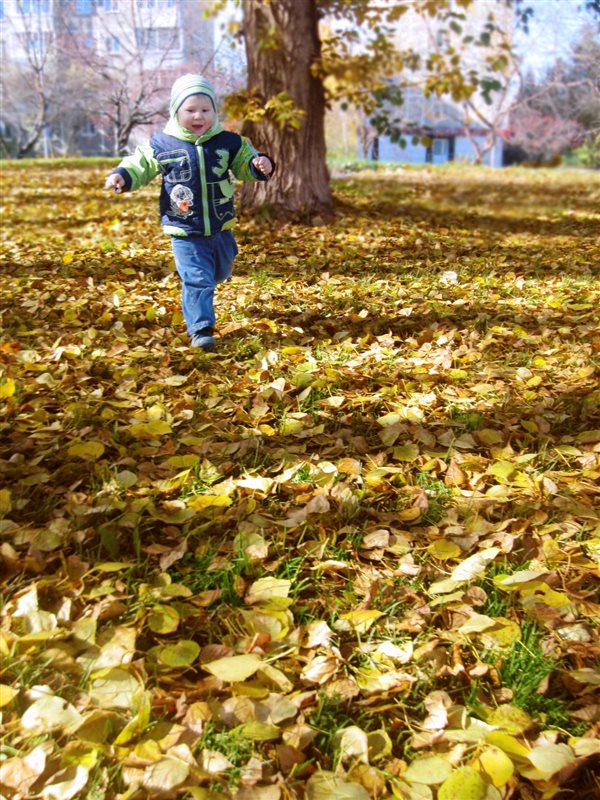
(352, 554)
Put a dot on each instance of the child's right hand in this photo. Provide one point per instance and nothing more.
(115, 182)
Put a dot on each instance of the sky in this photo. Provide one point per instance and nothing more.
(552, 31)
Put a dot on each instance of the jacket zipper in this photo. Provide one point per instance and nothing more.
(204, 189)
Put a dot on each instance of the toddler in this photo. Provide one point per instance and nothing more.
(195, 155)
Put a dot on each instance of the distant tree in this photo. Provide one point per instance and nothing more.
(541, 138)
(562, 107)
(114, 60)
(126, 67)
(29, 89)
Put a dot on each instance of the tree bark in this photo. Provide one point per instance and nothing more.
(282, 45)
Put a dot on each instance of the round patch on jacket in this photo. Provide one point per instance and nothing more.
(182, 199)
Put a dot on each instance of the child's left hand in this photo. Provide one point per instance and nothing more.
(263, 164)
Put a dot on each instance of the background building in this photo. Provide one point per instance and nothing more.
(427, 128)
(86, 74)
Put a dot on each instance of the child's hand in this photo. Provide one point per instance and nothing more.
(263, 164)
(115, 182)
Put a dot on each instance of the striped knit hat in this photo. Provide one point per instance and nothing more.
(186, 86)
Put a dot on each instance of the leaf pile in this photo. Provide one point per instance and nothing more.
(353, 554)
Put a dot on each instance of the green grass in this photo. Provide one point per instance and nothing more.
(522, 669)
(195, 573)
(439, 496)
(229, 743)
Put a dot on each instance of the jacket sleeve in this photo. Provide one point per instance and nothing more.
(241, 166)
(139, 168)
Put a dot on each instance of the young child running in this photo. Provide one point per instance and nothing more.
(194, 155)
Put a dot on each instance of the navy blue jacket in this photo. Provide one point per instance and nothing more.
(197, 194)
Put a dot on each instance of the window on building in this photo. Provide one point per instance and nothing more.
(145, 38)
(38, 42)
(108, 5)
(157, 38)
(83, 7)
(1, 9)
(113, 44)
(168, 38)
(35, 7)
(156, 3)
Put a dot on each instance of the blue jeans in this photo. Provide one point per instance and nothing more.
(202, 262)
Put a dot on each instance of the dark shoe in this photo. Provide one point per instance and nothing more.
(206, 343)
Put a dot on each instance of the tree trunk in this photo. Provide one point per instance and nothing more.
(282, 45)
(31, 136)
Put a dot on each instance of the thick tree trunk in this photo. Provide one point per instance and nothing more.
(282, 45)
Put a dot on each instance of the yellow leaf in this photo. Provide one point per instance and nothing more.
(463, 784)
(475, 565)
(258, 731)
(510, 719)
(5, 501)
(289, 427)
(324, 785)
(509, 744)
(497, 765)
(409, 514)
(429, 770)
(443, 549)
(535, 381)
(503, 470)
(389, 419)
(234, 669)
(406, 452)
(503, 634)
(7, 388)
(489, 436)
(376, 476)
(183, 462)
(266, 589)
(148, 430)
(163, 619)
(518, 579)
(477, 623)
(89, 451)
(349, 466)
(360, 620)
(546, 595)
(138, 724)
(7, 694)
(201, 501)
(181, 654)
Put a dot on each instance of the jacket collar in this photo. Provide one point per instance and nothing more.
(173, 128)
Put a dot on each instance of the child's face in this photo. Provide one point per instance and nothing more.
(196, 114)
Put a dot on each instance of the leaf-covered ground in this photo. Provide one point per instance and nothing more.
(353, 554)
